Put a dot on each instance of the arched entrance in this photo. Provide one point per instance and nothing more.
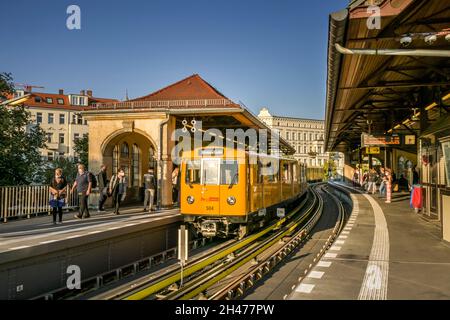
(134, 153)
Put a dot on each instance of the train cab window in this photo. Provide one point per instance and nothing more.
(210, 171)
(294, 172)
(193, 172)
(229, 173)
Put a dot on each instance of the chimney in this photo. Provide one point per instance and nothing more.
(89, 93)
(82, 92)
(61, 91)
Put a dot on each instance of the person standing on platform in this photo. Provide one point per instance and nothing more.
(372, 182)
(83, 184)
(175, 185)
(382, 178)
(58, 190)
(118, 189)
(103, 182)
(150, 186)
(388, 186)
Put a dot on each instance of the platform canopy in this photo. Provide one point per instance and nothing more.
(194, 98)
(395, 78)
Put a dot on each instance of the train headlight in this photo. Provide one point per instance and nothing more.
(231, 200)
(190, 199)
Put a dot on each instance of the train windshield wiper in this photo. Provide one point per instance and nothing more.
(233, 181)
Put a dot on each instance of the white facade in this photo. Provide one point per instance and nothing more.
(305, 135)
(62, 127)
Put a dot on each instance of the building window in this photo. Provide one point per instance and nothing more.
(50, 156)
(304, 150)
(80, 119)
(320, 149)
(76, 137)
(74, 118)
(135, 165)
(49, 100)
(61, 138)
(39, 117)
(37, 99)
(62, 118)
(60, 101)
(85, 122)
(124, 150)
(49, 137)
(115, 159)
(50, 118)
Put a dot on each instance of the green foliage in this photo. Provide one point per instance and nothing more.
(81, 148)
(69, 169)
(20, 141)
(6, 85)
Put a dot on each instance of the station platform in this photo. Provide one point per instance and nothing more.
(28, 234)
(103, 243)
(385, 251)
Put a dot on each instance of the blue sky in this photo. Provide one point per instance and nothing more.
(261, 52)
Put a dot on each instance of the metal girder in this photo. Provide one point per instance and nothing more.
(398, 84)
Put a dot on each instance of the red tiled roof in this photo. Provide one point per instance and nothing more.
(190, 88)
(31, 102)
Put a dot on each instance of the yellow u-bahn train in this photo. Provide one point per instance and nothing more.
(227, 193)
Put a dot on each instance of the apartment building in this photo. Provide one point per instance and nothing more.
(59, 115)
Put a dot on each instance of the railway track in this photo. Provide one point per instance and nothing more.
(202, 273)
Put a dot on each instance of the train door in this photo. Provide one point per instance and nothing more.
(191, 187)
(210, 186)
(233, 200)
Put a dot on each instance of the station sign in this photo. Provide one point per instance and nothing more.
(374, 141)
(373, 150)
(410, 140)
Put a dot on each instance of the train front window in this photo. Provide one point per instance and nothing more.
(210, 171)
(193, 172)
(229, 173)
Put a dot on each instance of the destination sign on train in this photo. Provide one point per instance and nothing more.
(211, 152)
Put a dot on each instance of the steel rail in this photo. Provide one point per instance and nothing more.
(203, 282)
(165, 281)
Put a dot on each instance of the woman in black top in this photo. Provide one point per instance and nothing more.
(118, 189)
(57, 194)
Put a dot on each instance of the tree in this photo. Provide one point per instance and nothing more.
(68, 167)
(20, 140)
(81, 148)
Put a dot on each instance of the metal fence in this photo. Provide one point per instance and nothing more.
(21, 201)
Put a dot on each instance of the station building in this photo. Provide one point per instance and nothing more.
(138, 134)
(388, 87)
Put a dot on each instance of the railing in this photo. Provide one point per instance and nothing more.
(20, 201)
(163, 104)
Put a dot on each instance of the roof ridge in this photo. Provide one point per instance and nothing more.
(203, 82)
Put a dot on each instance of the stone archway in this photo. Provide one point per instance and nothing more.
(134, 152)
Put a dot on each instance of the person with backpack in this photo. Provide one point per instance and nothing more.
(58, 190)
(103, 182)
(118, 189)
(83, 184)
(150, 186)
